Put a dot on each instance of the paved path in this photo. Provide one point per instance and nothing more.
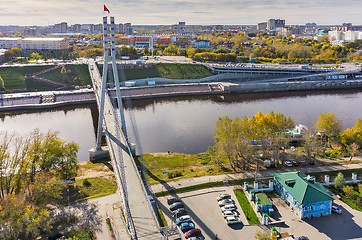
(185, 182)
(142, 221)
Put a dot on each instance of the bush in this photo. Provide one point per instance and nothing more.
(177, 173)
(210, 170)
(86, 183)
(359, 202)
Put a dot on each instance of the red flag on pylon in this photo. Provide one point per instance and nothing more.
(106, 9)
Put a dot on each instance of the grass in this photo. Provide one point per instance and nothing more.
(78, 75)
(14, 78)
(190, 165)
(169, 70)
(108, 221)
(190, 188)
(351, 202)
(247, 209)
(99, 187)
(77, 233)
(162, 219)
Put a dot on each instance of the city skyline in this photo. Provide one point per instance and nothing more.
(200, 12)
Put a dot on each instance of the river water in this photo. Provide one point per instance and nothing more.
(184, 124)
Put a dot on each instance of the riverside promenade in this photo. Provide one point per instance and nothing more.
(186, 182)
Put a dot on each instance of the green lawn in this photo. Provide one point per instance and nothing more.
(78, 75)
(247, 209)
(100, 186)
(169, 70)
(14, 78)
(189, 165)
(351, 202)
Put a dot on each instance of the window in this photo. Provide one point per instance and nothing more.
(305, 208)
(312, 208)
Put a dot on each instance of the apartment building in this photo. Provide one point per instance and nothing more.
(39, 44)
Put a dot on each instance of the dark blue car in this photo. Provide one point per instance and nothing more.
(187, 226)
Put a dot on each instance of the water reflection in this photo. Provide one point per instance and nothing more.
(73, 124)
(185, 124)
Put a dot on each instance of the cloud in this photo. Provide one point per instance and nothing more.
(43, 12)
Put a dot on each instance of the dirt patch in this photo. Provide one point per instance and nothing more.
(94, 170)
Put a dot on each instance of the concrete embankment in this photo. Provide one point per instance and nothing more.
(53, 99)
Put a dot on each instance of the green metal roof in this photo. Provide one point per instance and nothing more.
(263, 199)
(303, 188)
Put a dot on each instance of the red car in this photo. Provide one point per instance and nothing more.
(193, 233)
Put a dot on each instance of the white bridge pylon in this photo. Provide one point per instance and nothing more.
(109, 48)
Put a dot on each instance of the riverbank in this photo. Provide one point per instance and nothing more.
(53, 99)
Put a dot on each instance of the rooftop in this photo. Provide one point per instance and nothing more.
(303, 187)
(43, 39)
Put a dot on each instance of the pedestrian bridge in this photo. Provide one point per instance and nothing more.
(139, 216)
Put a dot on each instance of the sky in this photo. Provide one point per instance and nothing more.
(167, 12)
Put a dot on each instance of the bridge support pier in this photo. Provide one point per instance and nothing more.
(99, 154)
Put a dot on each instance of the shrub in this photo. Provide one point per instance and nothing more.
(177, 173)
(359, 202)
(86, 183)
(169, 175)
(210, 170)
(348, 190)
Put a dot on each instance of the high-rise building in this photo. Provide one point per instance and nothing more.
(272, 24)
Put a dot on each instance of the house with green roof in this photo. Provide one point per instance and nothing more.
(304, 195)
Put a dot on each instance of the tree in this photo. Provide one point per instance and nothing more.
(353, 150)
(339, 182)
(311, 143)
(128, 51)
(329, 125)
(35, 56)
(348, 190)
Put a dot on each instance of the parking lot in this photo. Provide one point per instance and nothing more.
(203, 208)
(205, 212)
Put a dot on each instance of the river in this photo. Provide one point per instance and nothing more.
(185, 124)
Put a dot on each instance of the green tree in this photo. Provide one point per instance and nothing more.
(339, 182)
(128, 51)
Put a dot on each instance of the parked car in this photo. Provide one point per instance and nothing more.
(176, 205)
(288, 164)
(187, 226)
(232, 220)
(193, 232)
(304, 163)
(172, 200)
(225, 202)
(183, 219)
(336, 209)
(295, 163)
(229, 207)
(223, 196)
(230, 213)
(179, 212)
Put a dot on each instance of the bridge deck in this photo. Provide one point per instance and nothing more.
(143, 219)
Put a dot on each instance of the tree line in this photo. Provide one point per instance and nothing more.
(246, 141)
